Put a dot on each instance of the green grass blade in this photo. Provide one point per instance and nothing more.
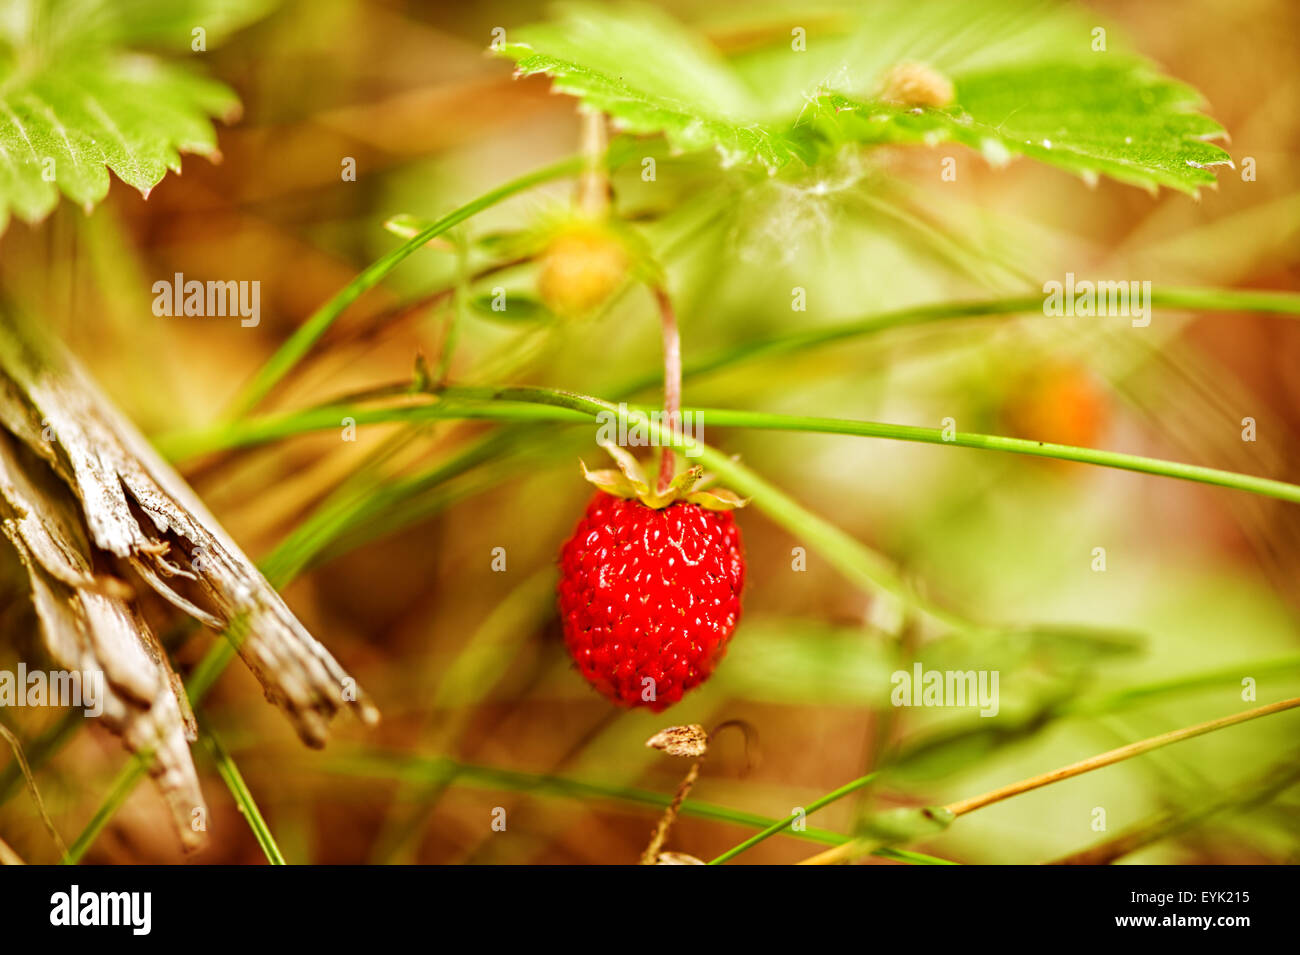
(1135, 695)
(1227, 300)
(450, 771)
(126, 781)
(138, 768)
(229, 434)
(243, 797)
(310, 332)
(782, 824)
(1190, 299)
(517, 408)
(989, 442)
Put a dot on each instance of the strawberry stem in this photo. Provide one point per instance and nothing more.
(651, 854)
(593, 183)
(672, 381)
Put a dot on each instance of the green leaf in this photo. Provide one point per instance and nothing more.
(1027, 82)
(170, 24)
(1115, 118)
(651, 76)
(519, 308)
(74, 104)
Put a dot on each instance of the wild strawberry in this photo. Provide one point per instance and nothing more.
(1059, 403)
(583, 265)
(650, 586)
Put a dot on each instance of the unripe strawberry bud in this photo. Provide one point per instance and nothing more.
(581, 268)
(916, 84)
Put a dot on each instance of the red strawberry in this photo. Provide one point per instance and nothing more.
(650, 588)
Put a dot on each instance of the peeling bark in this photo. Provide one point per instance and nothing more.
(81, 491)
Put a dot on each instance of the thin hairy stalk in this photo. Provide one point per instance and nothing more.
(672, 380)
(593, 183)
(651, 854)
(1258, 792)
(961, 807)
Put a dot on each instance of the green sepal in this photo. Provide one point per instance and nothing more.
(630, 483)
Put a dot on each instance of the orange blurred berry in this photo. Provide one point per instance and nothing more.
(1061, 405)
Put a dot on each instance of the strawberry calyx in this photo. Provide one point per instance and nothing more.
(629, 481)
